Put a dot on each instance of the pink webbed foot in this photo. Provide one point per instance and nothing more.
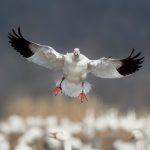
(57, 90)
(82, 97)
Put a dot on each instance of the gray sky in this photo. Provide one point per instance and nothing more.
(98, 27)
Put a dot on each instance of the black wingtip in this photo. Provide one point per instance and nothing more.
(20, 44)
(133, 50)
(19, 32)
(131, 64)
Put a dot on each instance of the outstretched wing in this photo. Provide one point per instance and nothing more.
(116, 68)
(40, 54)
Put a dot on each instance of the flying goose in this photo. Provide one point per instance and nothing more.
(74, 66)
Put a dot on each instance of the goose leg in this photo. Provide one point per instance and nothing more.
(82, 95)
(58, 89)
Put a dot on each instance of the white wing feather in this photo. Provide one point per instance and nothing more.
(105, 67)
(116, 68)
(46, 56)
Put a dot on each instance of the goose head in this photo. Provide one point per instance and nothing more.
(137, 135)
(76, 52)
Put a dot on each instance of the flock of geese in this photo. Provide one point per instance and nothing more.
(137, 136)
(55, 133)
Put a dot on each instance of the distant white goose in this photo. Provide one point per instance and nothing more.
(75, 66)
(69, 142)
(140, 139)
(4, 143)
(23, 146)
(63, 137)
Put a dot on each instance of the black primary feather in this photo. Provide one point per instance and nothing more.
(131, 64)
(20, 44)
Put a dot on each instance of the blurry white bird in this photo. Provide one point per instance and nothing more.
(89, 147)
(17, 124)
(31, 135)
(23, 146)
(4, 143)
(89, 124)
(75, 66)
(63, 137)
(14, 125)
(121, 145)
(140, 139)
(70, 142)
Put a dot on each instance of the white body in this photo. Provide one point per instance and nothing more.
(75, 69)
(75, 72)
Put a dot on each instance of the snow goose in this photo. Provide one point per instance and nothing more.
(63, 137)
(4, 143)
(31, 135)
(70, 142)
(122, 145)
(140, 139)
(75, 66)
(23, 146)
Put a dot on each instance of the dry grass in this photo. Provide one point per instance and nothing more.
(109, 136)
(58, 106)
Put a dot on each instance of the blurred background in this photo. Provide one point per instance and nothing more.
(98, 28)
